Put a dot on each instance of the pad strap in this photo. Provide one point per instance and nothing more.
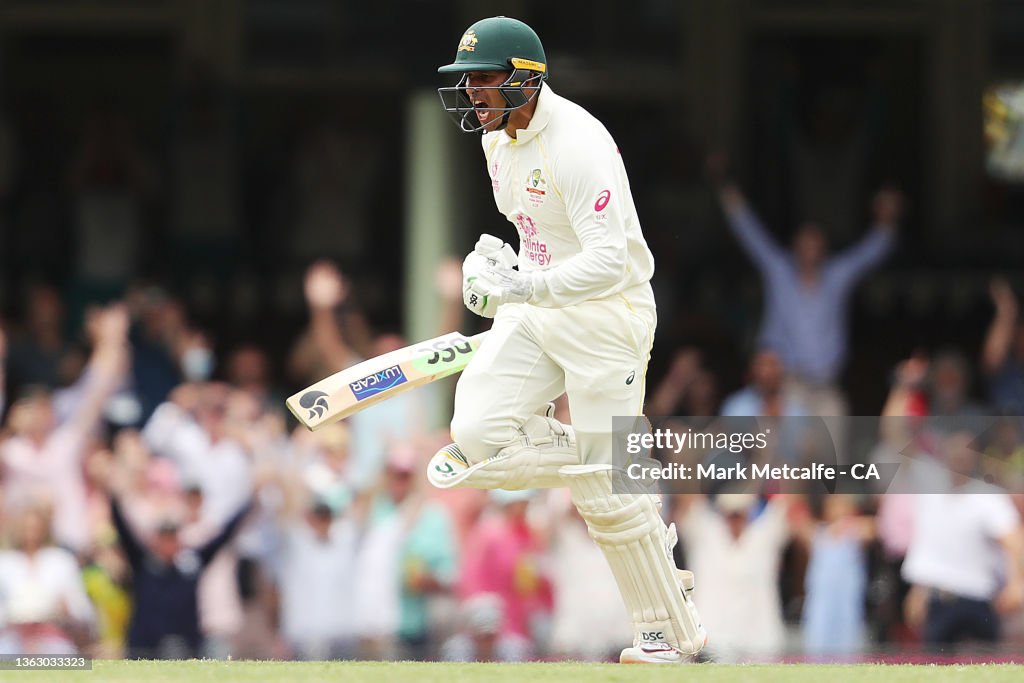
(532, 460)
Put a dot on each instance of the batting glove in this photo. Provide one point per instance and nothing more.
(489, 279)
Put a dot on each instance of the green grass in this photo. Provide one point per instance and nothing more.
(384, 672)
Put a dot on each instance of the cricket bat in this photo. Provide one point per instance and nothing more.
(378, 379)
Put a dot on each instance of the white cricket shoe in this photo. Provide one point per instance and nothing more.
(648, 652)
(653, 653)
(658, 653)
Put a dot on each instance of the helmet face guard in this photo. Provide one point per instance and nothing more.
(459, 105)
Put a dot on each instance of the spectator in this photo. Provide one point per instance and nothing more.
(501, 558)
(687, 389)
(106, 578)
(930, 386)
(337, 330)
(736, 552)
(588, 620)
(429, 559)
(158, 331)
(807, 293)
(1002, 357)
(964, 559)
(43, 460)
(767, 393)
(329, 346)
(154, 482)
(409, 548)
(196, 430)
(165, 578)
(218, 600)
(325, 470)
(315, 562)
(377, 586)
(248, 369)
(836, 582)
(45, 605)
(949, 386)
(317, 582)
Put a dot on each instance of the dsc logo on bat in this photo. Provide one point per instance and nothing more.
(371, 385)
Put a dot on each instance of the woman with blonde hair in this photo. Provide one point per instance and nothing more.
(43, 603)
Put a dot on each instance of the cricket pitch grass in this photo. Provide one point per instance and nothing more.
(401, 672)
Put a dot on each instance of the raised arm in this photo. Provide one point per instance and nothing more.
(666, 397)
(133, 548)
(1001, 331)
(325, 291)
(108, 364)
(887, 207)
(212, 547)
(742, 220)
(903, 401)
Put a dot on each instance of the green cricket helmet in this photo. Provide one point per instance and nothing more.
(495, 44)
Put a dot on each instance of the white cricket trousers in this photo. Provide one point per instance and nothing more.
(596, 352)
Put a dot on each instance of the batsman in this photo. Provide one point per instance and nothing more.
(573, 313)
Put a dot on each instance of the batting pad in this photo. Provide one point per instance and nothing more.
(637, 545)
(530, 461)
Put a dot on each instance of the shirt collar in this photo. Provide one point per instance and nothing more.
(541, 115)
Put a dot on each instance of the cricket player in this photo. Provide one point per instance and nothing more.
(573, 313)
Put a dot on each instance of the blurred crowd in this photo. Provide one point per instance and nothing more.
(158, 502)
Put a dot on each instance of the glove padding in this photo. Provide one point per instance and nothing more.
(493, 248)
(489, 278)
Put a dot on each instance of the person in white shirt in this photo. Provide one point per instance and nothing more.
(738, 554)
(317, 560)
(43, 604)
(965, 554)
(576, 317)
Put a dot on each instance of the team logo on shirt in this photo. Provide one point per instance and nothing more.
(468, 42)
(535, 185)
(530, 246)
(534, 181)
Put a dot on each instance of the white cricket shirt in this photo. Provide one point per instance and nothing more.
(562, 184)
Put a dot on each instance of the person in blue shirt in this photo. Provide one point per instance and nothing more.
(807, 291)
(766, 394)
